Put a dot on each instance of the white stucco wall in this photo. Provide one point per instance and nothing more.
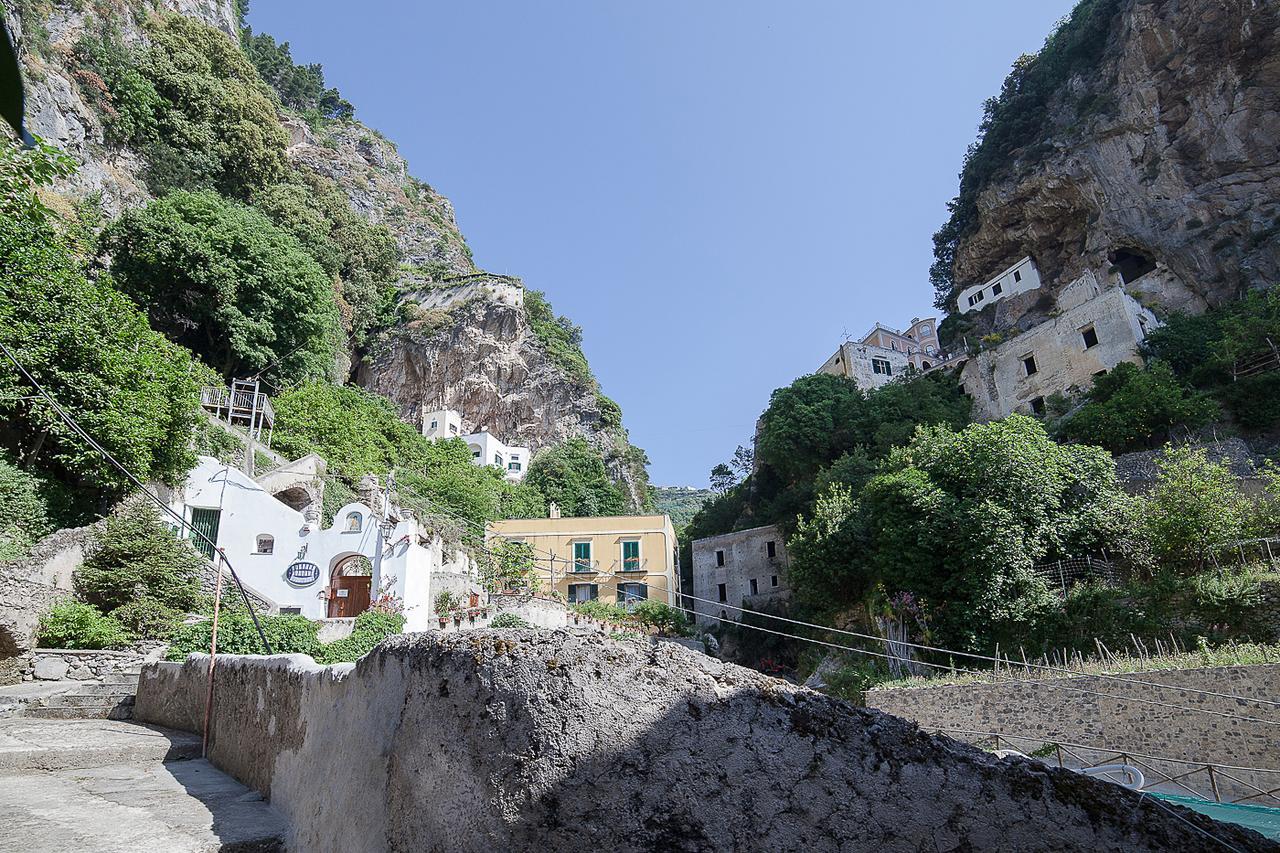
(491, 446)
(997, 379)
(248, 511)
(1019, 278)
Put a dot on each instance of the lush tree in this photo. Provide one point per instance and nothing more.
(559, 336)
(1195, 506)
(192, 101)
(1132, 408)
(723, 479)
(135, 557)
(572, 474)
(299, 87)
(828, 552)
(357, 432)
(363, 256)
(88, 345)
(219, 277)
(960, 519)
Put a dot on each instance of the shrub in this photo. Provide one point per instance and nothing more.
(148, 619)
(137, 557)
(560, 338)
(1194, 506)
(508, 620)
(24, 517)
(370, 629)
(1131, 408)
(573, 475)
(238, 636)
(663, 618)
(72, 624)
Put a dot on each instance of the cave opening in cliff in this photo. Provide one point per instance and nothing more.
(1132, 265)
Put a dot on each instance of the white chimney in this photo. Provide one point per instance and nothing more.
(553, 510)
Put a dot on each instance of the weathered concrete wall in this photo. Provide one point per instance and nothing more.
(544, 740)
(853, 361)
(1060, 713)
(746, 558)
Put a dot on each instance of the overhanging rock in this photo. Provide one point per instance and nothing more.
(553, 741)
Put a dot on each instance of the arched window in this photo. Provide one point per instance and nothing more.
(266, 543)
(355, 522)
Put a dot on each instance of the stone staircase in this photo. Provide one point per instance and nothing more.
(110, 698)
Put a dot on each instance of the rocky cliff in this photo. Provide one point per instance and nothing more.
(464, 340)
(1151, 159)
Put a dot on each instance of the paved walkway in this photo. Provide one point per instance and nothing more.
(100, 785)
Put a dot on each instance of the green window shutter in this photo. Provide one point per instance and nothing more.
(630, 555)
(205, 521)
(582, 555)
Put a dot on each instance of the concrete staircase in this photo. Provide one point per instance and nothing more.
(110, 698)
(106, 786)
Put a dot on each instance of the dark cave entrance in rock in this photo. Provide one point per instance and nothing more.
(1131, 264)
(294, 497)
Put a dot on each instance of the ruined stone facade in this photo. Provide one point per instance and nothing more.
(746, 568)
(1094, 332)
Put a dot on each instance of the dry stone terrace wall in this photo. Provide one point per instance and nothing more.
(1065, 713)
(550, 741)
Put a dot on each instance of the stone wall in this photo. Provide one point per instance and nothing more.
(86, 664)
(1061, 712)
(545, 740)
(746, 559)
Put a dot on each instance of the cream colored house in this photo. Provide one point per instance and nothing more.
(616, 559)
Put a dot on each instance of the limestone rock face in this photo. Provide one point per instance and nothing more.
(376, 178)
(486, 363)
(1178, 163)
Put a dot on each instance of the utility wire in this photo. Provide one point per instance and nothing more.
(76, 428)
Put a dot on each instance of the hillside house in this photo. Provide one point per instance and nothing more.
(1096, 330)
(291, 560)
(884, 353)
(620, 559)
(486, 448)
(743, 569)
(1019, 278)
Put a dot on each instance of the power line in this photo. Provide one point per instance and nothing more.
(76, 428)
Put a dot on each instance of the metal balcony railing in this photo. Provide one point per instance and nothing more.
(635, 565)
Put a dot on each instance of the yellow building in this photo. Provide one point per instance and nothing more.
(616, 559)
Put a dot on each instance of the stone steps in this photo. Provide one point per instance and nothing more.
(110, 698)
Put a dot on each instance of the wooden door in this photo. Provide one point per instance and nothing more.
(350, 596)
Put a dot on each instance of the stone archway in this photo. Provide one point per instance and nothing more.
(350, 585)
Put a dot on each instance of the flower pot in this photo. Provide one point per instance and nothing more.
(443, 624)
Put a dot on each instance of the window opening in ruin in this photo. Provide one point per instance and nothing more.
(1029, 363)
(1131, 265)
(997, 289)
(773, 580)
(719, 558)
(1090, 336)
(1017, 275)
(1037, 405)
(724, 593)
(926, 365)
(755, 587)
(771, 548)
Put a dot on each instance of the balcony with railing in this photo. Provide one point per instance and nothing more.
(243, 405)
(630, 565)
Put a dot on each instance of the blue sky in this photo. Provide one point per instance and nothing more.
(715, 190)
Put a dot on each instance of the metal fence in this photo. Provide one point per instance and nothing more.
(1206, 780)
(1063, 574)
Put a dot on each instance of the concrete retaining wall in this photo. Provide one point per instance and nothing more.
(1062, 712)
(543, 740)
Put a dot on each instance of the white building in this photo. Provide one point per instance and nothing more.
(868, 366)
(1019, 278)
(486, 448)
(289, 559)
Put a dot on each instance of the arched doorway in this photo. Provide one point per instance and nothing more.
(350, 586)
